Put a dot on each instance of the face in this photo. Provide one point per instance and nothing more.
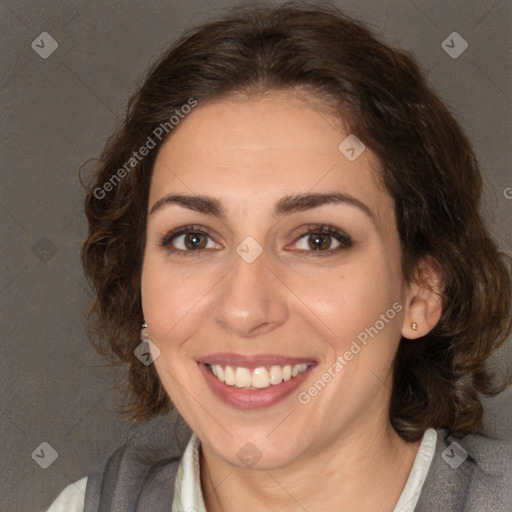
(290, 257)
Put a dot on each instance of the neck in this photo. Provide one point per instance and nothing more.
(363, 470)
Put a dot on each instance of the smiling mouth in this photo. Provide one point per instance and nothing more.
(261, 377)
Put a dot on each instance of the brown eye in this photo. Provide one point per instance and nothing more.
(319, 242)
(195, 241)
(188, 240)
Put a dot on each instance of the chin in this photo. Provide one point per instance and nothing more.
(258, 452)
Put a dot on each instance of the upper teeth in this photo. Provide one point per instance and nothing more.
(260, 377)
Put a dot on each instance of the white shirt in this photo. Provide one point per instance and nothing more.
(188, 494)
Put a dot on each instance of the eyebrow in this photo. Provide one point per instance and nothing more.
(286, 205)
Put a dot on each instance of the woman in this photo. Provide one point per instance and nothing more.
(292, 216)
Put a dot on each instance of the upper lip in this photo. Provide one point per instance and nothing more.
(253, 361)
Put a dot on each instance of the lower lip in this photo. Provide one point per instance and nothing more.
(253, 398)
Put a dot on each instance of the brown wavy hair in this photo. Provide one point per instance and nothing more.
(428, 168)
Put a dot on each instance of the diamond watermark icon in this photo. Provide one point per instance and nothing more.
(454, 455)
(454, 45)
(44, 249)
(249, 250)
(44, 45)
(147, 352)
(249, 455)
(351, 147)
(45, 455)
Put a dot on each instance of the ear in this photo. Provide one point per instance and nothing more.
(423, 305)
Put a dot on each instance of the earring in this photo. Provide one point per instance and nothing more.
(144, 332)
(414, 326)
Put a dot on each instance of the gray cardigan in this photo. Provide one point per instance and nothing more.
(140, 477)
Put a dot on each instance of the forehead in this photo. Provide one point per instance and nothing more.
(251, 151)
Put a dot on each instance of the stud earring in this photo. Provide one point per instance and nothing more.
(144, 332)
(414, 326)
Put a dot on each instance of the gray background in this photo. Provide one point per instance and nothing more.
(57, 113)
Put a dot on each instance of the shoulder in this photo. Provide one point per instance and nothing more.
(141, 472)
(71, 499)
(471, 474)
(490, 487)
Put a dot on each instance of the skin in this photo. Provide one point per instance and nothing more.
(249, 152)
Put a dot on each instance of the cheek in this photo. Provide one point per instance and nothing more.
(349, 297)
(171, 302)
(164, 299)
(359, 307)
(173, 298)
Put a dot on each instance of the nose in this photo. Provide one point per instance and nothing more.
(252, 300)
